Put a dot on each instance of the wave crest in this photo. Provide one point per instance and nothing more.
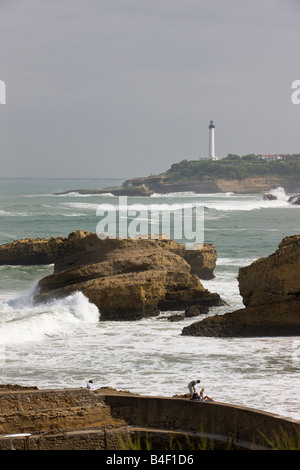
(23, 321)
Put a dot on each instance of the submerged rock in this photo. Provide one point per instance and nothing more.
(126, 279)
(270, 288)
(269, 197)
(191, 311)
(195, 311)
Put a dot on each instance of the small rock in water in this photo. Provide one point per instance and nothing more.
(295, 200)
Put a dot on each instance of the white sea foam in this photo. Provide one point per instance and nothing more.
(176, 194)
(23, 321)
(191, 194)
(221, 202)
(5, 213)
(15, 214)
(156, 207)
(234, 261)
(279, 193)
(81, 205)
(246, 205)
(78, 194)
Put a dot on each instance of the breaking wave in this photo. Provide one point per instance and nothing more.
(23, 321)
(249, 204)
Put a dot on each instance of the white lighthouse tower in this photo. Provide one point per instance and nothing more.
(211, 147)
(211, 144)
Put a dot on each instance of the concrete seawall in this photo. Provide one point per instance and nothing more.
(216, 419)
(80, 419)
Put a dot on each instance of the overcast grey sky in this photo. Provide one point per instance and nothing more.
(124, 88)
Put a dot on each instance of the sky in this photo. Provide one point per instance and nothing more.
(126, 88)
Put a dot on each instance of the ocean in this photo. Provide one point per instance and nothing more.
(62, 344)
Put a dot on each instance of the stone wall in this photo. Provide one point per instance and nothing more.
(53, 410)
(82, 419)
(217, 419)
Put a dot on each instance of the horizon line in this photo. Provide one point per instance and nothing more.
(58, 178)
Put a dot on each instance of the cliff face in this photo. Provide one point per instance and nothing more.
(126, 279)
(146, 186)
(274, 279)
(161, 184)
(270, 288)
(251, 185)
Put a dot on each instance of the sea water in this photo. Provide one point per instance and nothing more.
(61, 344)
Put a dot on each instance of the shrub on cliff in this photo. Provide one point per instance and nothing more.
(234, 167)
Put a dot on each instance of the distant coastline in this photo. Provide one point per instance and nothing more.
(240, 175)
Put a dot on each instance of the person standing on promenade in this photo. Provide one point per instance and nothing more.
(192, 386)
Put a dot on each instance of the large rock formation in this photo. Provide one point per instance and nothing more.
(126, 279)
(270, 288)
(34, 251)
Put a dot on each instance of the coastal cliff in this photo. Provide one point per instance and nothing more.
(160, 184)
(270, 288)
(163, 184)
(241, 175)
(126, 279)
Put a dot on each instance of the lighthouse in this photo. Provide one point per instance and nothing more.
(211, 147)
(211, 144)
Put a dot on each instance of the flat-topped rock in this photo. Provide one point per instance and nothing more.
(35, 251)
(29, 251)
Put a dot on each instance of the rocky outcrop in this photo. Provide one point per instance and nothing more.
(191, 311)
(269, 197)
(201, 260)
(270, 288)
(146, 186)
(139, 190)
(126, 279)
(295, 200)
(29, 251)
(34, 251)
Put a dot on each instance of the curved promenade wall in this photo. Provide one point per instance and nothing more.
(83, 419)
(216, 419)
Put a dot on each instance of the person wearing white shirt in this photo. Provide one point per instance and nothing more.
(89, 385)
